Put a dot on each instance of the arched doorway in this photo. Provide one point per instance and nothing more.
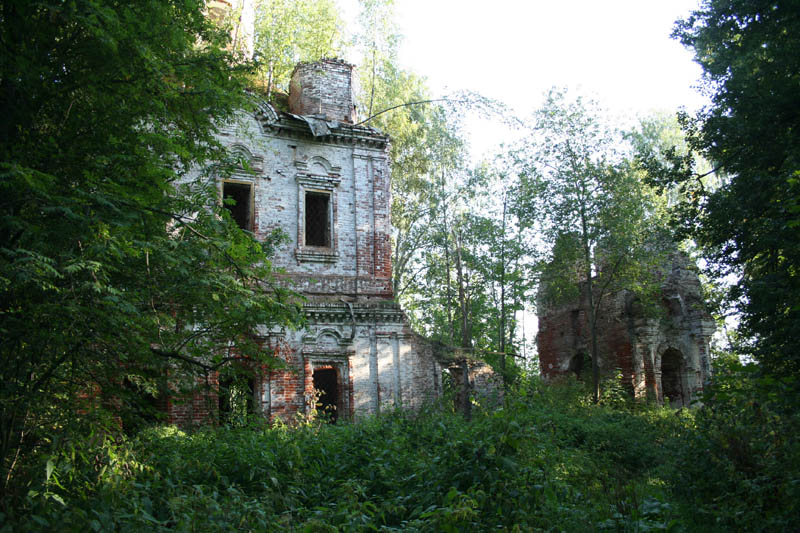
(580, 365)
(672, 370)
(326, 381)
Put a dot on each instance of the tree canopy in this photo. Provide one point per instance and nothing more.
(113, 275)
(596, 216)
(288, 32)
(749, 226)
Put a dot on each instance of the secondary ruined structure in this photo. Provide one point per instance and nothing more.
(324, 181)
(659, 358)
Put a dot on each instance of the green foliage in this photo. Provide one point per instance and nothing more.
(597, 218)
(288, 32)
(562, 274)
(445, 270)
(113, 271)
(600, 221)
(541, 462)
(476, 276)
(749, 225)
(740, 467)
(549, 459)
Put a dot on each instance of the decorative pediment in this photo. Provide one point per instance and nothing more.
(247, 163)
(320, 166)
(317, 171)
(266, 112)
(325, 339)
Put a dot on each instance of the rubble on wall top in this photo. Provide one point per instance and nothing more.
(319, 128)
(327, 60)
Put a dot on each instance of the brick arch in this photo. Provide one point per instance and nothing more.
(242, 150)
(672, 365)
(673, 369)
(580, 364)
(267, 112)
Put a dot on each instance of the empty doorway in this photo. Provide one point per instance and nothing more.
(326, 381)
(581, 366)
(672, 370)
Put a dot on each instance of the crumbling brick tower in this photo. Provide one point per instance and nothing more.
(659, 358)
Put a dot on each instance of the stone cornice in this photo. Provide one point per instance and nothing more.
(387, 312)
(288, 126)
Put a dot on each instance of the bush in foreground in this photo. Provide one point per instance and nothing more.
(545, 461)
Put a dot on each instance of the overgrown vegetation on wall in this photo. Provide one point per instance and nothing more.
(114, 278)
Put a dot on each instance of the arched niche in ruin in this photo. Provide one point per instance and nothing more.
(673, 386)
(580, 365)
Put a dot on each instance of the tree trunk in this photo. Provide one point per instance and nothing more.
(398, 266)
(503, 294)
(449, 292)
(593, 330)
(587, 258)
(464, 393)
(466, 329)
(269, 80)
(372, 82)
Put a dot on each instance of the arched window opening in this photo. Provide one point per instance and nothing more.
(580, 365)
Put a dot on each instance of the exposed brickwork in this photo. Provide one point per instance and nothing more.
(474, 381)
(196, 406)
(324, 89)
(353, 326)
(633, 343)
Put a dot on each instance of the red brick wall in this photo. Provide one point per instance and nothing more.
(287, 385)
(564, 333)
(196, 407)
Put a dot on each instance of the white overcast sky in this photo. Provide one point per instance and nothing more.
(618, 51)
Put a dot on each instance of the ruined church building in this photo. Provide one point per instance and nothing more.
(321, 178)
(665, 359)
(324, 181)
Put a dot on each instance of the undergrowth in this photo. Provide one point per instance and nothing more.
(545, 461)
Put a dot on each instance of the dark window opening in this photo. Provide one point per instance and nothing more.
(318, 229)
(236, 400)
(671, 378)
(145, 406)
(237, 200)
(326, 384)
(580, 365)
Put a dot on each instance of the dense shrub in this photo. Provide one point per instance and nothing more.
(546, 460)
(740, 466)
